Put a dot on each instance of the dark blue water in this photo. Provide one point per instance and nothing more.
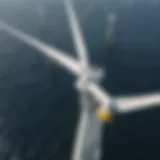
(39, 105)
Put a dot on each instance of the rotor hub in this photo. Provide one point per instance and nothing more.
(89, 76)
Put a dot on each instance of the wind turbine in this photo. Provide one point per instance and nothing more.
(89, 132)
(111, 27)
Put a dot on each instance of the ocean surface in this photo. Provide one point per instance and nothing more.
(39, 105)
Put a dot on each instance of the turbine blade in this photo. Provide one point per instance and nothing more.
(125, 104)
(76, 32)
(101, 96)
(138, 102)
(54, 54)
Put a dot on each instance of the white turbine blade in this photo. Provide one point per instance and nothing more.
(59, 56)
(101, 96)
(136, 103)
(76, 32)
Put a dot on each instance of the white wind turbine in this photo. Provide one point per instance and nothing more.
(89, 132)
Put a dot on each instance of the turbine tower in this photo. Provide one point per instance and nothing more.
(88, 137)
(97, 106)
